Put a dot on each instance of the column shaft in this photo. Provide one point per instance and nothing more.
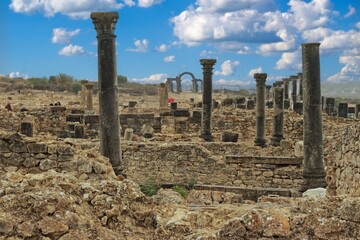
(278, 119)
(314, 172)
(207, 98)
(260, 109)
(108, 92)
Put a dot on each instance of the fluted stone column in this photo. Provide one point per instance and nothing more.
(313, 172)
(105, 23)
(300, 86)
(278, 119)
(294, 80)
(89, 96)
(286, 82)
(207, 98)
(268, 87)
(260, 109)
(164, 95)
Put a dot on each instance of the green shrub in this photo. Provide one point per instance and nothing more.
(149, 188)
(181, 190)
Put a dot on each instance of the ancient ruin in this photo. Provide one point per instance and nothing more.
(210, 165)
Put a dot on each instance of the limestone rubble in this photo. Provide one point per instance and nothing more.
(53, 188)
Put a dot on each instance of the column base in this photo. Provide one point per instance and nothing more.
(260, 142)
(275, 140)
(310, 183)
(208, 138)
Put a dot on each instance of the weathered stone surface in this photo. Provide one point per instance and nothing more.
(52, 227)
(47, 164)
(18, 146)
(4, 147)
(37, 147)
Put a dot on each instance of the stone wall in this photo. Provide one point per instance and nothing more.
(36, 156)
(136, 121)
(345, 164)
(189, 163)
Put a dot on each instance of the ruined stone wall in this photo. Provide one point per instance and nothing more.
(345, 164)
(44, 120)
(135, 121)
(185, 163)
(36, 156)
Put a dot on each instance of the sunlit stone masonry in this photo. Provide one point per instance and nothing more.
(207, 98)
(260, 109)
(105, 23)
(314, 172)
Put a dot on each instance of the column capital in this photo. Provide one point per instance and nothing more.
(299, 74)
(268, 87)
(105, 23)
(286, 80)
(207, 62)
(260, 78)
(293, 78)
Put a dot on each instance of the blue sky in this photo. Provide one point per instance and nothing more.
(157, 39)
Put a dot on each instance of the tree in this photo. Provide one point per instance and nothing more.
(121, 79)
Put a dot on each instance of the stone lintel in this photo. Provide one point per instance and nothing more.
(263, 160)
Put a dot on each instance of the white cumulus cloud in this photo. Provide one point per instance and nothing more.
(290, 60)
(351, 12)
(62, 35)
(351, 70)
(228, 68)
(18, 75)
(255, 70)
(162, 48)
(141, 46)
(153, 79)
(169, 59)
(71, 50)
(148, 3)
(71, 8)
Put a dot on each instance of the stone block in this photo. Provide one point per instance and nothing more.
(299, 149)
(65, 150)
(47, 164)
(4, 147)
(37, 148)
(18, 146)
(31, 162)
(91, 119)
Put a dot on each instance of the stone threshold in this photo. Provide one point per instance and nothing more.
(263, 160)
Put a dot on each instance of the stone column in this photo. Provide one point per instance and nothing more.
(163, 95)
(313, 172)
(357, 109)
(294, 80)
(268, 87)
(178, 85)
(278, 119)
(300, 86)
(207, 98)
(105, 23)
(343, 110)
(329, 106)
(89, 96)
(286, 88)
(260, 109)
(83, 93)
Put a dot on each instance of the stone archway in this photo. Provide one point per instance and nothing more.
(194, 81)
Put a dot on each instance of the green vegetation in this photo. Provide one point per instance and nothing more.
(181, 190)
(150, 188)
(191, 183)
